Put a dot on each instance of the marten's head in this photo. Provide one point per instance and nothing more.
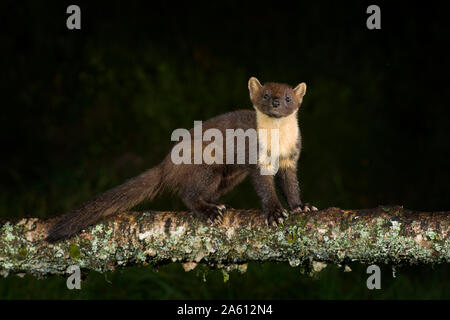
(275, 100)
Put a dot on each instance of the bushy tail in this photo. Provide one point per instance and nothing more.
(119, 199)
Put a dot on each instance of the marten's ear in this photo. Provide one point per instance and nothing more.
(300, 91)
(253, 87)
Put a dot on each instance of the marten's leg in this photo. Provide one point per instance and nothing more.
(199, 191)
(287, 181)
(265, 188)
(228, 182)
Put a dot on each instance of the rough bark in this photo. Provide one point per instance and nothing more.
(382, 235)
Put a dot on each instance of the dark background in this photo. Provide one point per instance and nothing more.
(84, 110)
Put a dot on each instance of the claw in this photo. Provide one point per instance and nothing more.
(297, 210)
(284, 212)
(280, 220)
(306, 209)
(274, 223)
(314, 208)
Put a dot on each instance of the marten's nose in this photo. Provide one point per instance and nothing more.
(276, 103)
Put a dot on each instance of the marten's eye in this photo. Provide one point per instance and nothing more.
(266, 96)
(288, 99)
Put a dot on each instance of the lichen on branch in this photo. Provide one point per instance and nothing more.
(312, 239)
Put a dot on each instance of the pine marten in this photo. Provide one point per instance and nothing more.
(201, 185)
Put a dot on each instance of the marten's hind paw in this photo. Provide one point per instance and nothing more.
(222, 206)
(213, 213)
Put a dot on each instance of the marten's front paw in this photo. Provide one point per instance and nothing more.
(304, 207)
(276, 216)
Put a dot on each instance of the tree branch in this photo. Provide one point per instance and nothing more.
(381, 235)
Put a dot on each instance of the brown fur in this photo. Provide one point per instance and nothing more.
(201, 185)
